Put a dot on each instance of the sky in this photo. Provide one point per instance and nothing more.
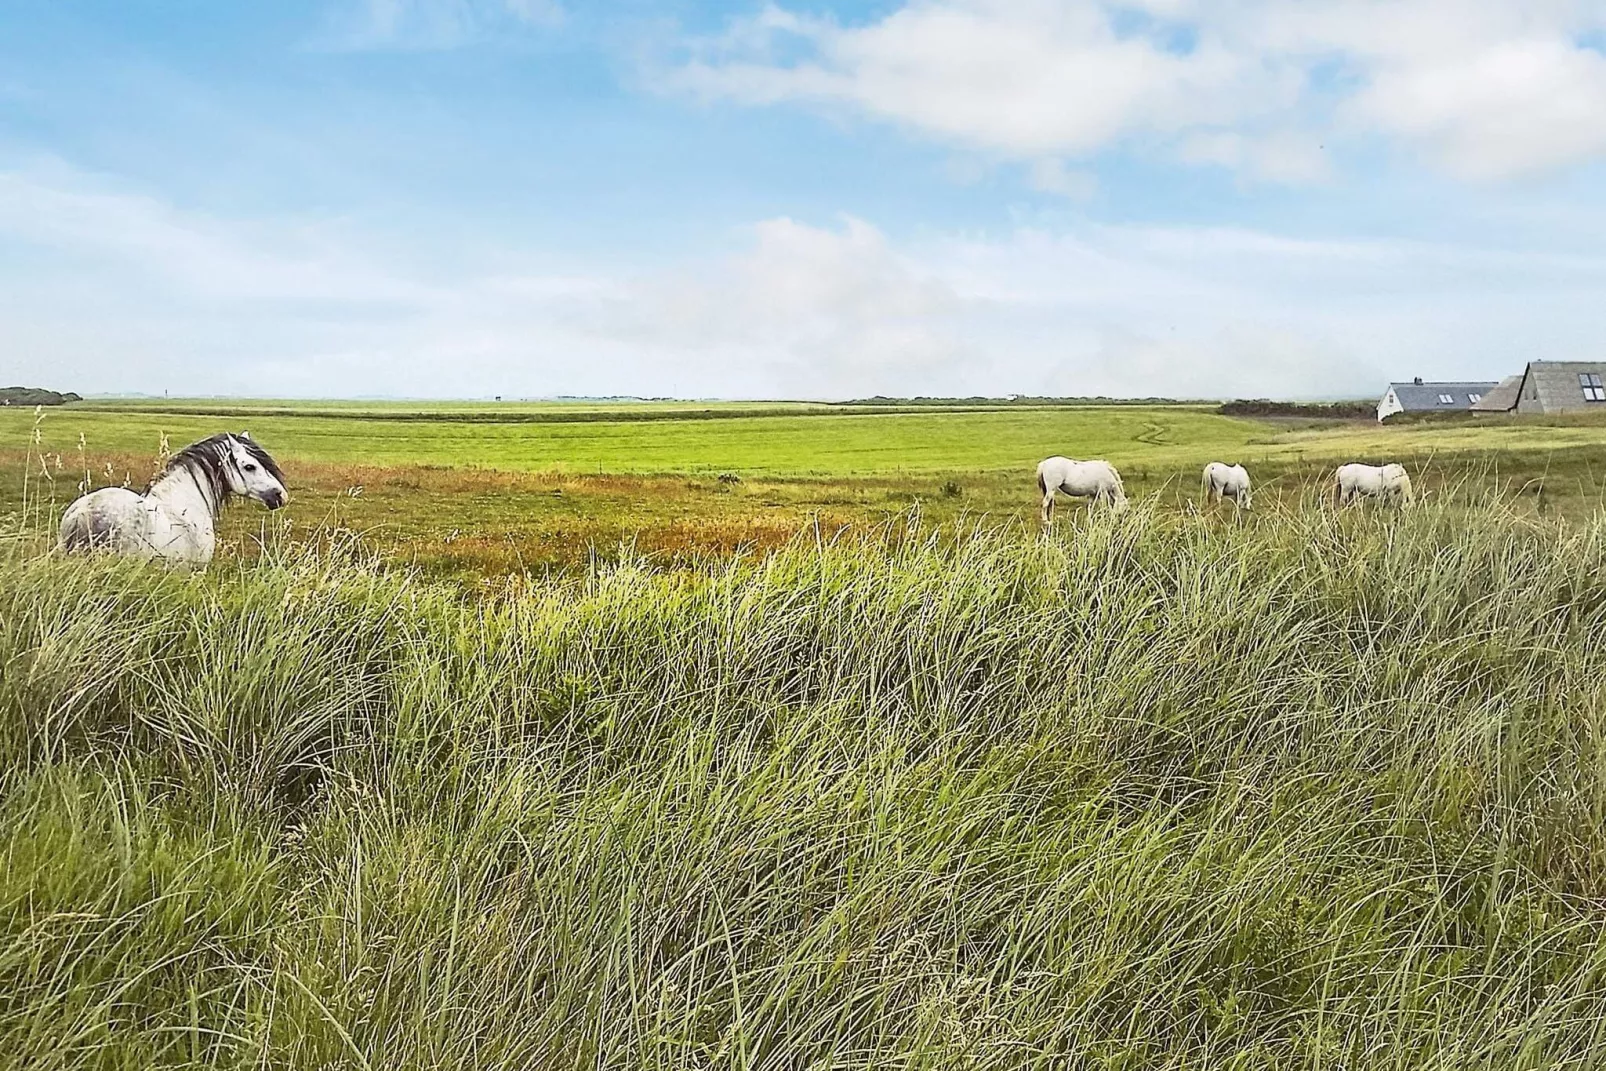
(797, 199)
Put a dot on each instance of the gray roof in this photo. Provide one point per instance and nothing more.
(1570, 366)
(1553, 386)
(1418, 397)
(1503, 398)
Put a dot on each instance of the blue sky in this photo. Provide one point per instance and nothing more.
(539, 197)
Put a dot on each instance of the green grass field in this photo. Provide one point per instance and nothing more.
(790, 439)
(498, 488)
(824, 444)
(521, 743)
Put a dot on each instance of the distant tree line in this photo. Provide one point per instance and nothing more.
(1260, 407)
(36, 396)
(1252, 407)
(503, 416)
(976, 400)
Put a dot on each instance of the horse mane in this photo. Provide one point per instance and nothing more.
(206, 458)
(261, 457)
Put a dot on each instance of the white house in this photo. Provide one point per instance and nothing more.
(1419, 397)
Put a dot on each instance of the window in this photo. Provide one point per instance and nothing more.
(1475, 398)
(1445, 399)
(1594, 391)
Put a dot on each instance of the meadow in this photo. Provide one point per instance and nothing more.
(1326, 791)
(512, 746)
(488, 490)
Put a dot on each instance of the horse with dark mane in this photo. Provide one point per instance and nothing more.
(175, 519)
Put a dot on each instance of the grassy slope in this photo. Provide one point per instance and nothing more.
(1318, 792)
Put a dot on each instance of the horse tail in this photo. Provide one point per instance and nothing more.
(1042, 484)
(78, 532)
(75, 537)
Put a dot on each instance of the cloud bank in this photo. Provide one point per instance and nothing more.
(1485, 90)
(108, 290)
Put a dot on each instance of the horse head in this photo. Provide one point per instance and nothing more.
(251, 473)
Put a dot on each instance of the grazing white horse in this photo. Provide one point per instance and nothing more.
(1096, 481)
(1372, 481)
(1227, 481)
(175, 519)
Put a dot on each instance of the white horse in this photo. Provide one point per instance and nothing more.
(1372, 481)
(1226, 481)
(1096, 481)
(175, 520)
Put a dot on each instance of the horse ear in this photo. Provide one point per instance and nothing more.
(246, 435)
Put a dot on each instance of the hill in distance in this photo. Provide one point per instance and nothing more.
(36, 396)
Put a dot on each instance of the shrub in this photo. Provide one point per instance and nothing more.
(1356, 410)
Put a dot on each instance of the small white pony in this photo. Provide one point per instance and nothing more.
(1226, 481)
(1372, 481)
(175, 519)
(1096, 481)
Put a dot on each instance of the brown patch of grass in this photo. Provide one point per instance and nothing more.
(489, 522)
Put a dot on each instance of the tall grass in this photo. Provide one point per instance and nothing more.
(1303, 791)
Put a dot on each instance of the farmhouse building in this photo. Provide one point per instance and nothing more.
(1550, 387)
(1419, 397)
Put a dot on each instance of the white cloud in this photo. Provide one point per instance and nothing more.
(1285, 156)
(1487, 89)
(804, 310)
(1503, 110)
(106, 290)
(206, 258)
(1052, 176)
(1027, 77)
(426, 25)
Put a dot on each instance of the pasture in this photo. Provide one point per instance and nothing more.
(776, 737)
(488, 490)
(1325, 790)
